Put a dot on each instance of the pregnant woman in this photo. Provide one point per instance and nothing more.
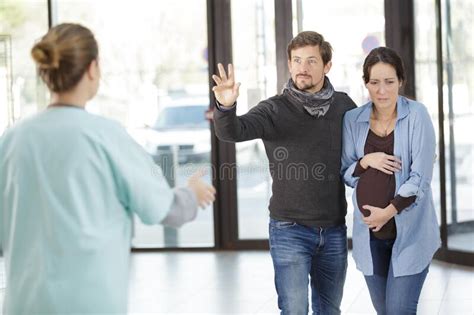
(388, 155)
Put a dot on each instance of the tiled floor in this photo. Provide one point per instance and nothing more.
(242, 283)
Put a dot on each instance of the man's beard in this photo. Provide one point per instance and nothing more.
(304, 86)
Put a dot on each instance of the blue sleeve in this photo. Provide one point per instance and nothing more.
(349, 158)
(423, 150)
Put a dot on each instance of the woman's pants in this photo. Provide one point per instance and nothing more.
(392, 295)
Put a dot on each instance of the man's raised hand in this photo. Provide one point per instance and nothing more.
(226, 90)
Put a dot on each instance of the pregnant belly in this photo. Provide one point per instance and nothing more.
(375, 189)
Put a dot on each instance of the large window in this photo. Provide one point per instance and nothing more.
(458, 110)
(426, 79)
(21, 24)
(154, 62)
(153, 57)
(253, 43)
(458, 107)
(353, 28)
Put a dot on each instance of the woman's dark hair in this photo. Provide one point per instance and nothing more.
(385, 55)
(63, 55)
(310, 38)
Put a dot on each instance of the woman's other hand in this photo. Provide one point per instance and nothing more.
(378, 216)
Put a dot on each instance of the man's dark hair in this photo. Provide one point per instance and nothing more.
(310, 38)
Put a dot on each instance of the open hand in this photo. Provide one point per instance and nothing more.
(226, 90)
(378, 216)
(205, 193)
(383, 162)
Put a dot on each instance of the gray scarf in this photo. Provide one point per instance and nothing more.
(316, 104)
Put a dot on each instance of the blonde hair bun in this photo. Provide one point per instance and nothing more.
(46, 55)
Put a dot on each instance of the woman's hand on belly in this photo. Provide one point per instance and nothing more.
(383, 162)
(378, 216)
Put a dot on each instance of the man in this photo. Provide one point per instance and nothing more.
(300, 128)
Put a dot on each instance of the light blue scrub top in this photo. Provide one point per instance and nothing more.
(69, 183)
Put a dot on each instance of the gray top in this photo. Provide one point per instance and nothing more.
(304, 154)
(183, 209)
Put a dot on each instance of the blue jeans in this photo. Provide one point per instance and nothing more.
(392, 295)
(299, 253)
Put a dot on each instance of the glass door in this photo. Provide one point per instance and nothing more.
(458, 108)
(253, 43)
(153, 57)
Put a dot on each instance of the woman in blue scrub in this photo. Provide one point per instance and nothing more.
(70, 182)
(387, 157)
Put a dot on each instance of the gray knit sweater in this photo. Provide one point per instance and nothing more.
(304, 154)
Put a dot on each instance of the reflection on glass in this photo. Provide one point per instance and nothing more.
(458, 106)
(353, 28)
(153, 59)
(182, 117)
(253, 43)
(21, 24)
